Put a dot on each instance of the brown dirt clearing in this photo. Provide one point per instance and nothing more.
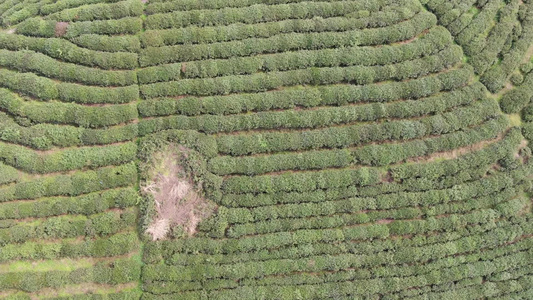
(177, 200)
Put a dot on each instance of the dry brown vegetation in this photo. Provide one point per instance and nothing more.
(177, 200)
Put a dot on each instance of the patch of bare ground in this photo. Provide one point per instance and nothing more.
(456, 152)
(177, 199)
(61, 29)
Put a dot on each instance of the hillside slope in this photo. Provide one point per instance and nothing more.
(279, 149)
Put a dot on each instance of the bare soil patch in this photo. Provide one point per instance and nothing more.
(177, 200)
(61, 28)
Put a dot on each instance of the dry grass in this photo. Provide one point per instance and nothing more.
(176, 198)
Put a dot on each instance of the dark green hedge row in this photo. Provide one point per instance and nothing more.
(132, 25)
(367, 210)
(67, 113)
(8, 174)
(487, 155)
(45, 136)
(496, 77)
(301, 181)
(487, 50)
(105, 272)
(29, 61)
(382, 155)
(175, 253)
(31, 161)
(308, 97)
(240, 31)
(71, 92)
(119, 244)
(159, 6)
(286, 42)
(349, 135)
(315, 118)
(256, 13)
(411, 192)
(268, 81)
(435, 40)
(37, 27)
(514, 100)
(479, 25)
(85, 205)
(441, 271)
(19, 12)
(120, 43)
(169, 72)
(124, 294)
(332, 215)
(399, 198)
(50, 8)
(67, 51)
(341, 213)
(192, 139)
(448, 11)
(332, 263)
(101, 224)
(459, 119)
(72, 185)
(29, 84)
(100, 11)
(486, 235)
(46, 89)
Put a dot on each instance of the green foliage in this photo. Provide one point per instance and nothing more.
(67, 51)
(288, 98)
(65, 160)
(121, 43)
(251, 14)
(69, 113)
(86, 204)
(77, 183)
(128, 25)
(101, 11)
(37, 27)
(29, 61)
(240, 31)
(290, 41)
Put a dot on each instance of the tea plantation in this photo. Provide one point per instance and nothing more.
(266, 149)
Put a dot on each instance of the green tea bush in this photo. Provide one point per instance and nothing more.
(86, 204)
(80, 182)
(286, 42)
(128, 25)
(50, 8)
(102, 224)
(37, 27)
(165, 6)
(314, 76)
(100, 11)
(67, 113)
(251, 14)
(29, 84)
(310, 96)
(67, 51)
(64, 160)
(121, 43)
(29, 61)
(240, 31)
